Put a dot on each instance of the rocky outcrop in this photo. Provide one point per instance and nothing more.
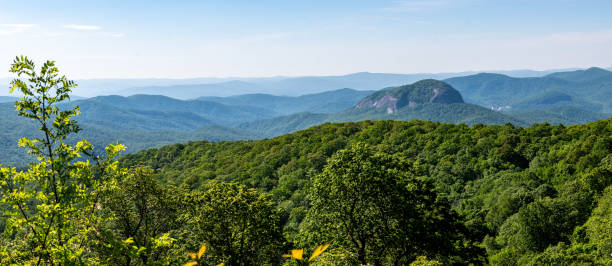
(421, 92)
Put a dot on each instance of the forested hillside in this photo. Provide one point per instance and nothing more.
(566, 115)
(137, 129)
(537, 195)
(216, 113)
(325, 102)
(588, 89)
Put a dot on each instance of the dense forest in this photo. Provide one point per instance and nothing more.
(377, 192)
(537, 195)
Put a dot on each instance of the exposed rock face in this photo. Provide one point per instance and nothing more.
(388, 101)
(421, 92)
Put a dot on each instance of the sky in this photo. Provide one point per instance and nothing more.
(236, 38)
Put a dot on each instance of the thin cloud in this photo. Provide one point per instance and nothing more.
(82, 27)
(7, 29)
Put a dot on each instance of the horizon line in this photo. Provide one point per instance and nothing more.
(609, 68)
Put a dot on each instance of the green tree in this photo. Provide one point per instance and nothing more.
(373, 206)
(598, 229)
(240, 225)
(55, 202)
(423, 261)
(142, 216)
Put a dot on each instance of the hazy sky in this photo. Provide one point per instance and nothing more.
(178, 39)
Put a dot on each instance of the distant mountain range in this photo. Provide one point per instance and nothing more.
(280, 86)
(144, 121)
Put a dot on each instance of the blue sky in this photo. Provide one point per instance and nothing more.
(180, 39)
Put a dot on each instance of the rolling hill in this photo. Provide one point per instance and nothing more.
(566, 115)
(277, 126)
(217, 113)
(588, 89)
(494, 90)
(325, 102)
(587, 75)
(104, 124)
(190, 91)
(553, 99)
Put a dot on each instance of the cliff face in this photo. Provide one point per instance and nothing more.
(421, 92)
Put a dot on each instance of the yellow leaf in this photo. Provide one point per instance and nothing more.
(318, 251)
(192, 255)
(297, 253)
(190, 263)
(202, 251)
(221, 264)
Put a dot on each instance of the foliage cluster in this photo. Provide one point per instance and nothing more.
(524, 194)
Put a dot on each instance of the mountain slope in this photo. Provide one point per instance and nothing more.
(447, 113)
(277, 126)
(109, 116)
(325, 102)
(493, 90)
(552, 99)
(421, 92)
(586, 75)
(566, 115)
(217, 113)
(588, 88)
(133, 132)
(191, 91)
(593, 84)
